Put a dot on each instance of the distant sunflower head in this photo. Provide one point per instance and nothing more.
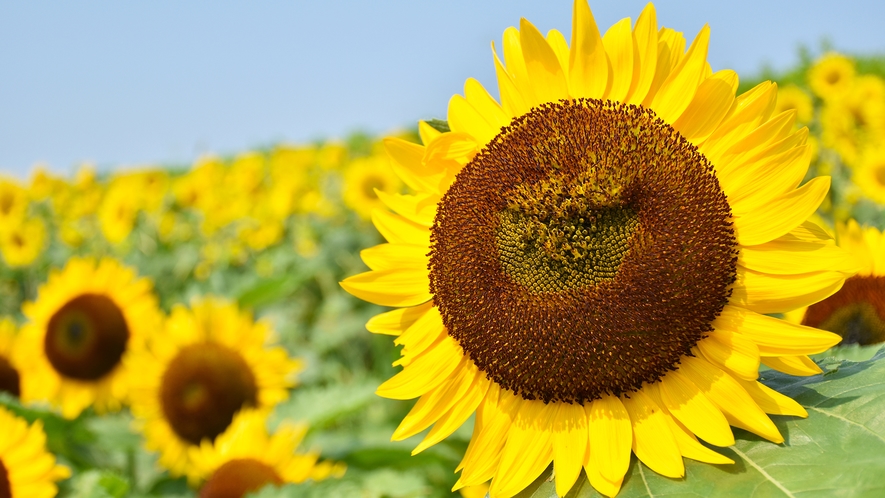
(22, 242)
(26, 467)
(588, 263)
(857, 311)
(869, 174)
(246, 457)
(209, 362)
(363, 179)
(84, 323)
(13, 201)
(832, 76)
(10, 381)
(793, 97)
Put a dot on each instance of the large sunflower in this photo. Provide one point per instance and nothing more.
(26, 468)
(85, 321)
(857, 311)
(588, 264)
(245, 458)
(207, 364)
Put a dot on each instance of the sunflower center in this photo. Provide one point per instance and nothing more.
(203, 387)
(9, 378)
(583, 251)
(86, 337)
(880, 174)
(856, 312)
(237, 477)
(370, 183)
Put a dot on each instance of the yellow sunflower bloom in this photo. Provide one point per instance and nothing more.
(26, 468)
(9, 377)
(588, 265)
(246, 457)
(870, 173)
(857, 311)
(22, 242)
(208, 363)
(832, 76)
(365, 180)
(83, 325)
(793, 97)
(13, 202)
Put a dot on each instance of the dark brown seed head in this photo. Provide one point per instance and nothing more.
(237, 477)
(856, 312)
(203, 387)
(9, 378)
(5, 485)
(583, 251)
(86, 338)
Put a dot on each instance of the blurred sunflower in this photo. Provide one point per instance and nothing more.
(86, 319)
(26, 468)
(117, 212)
(831, 76)
(208, 363)
(857, 311)
(23, 241)
(793, 97)
(9, 377)
(245, 458)
(367, 181)
(13, 202)
(870, 173)
(588, 265)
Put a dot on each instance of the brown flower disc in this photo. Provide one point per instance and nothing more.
(856, 312)
(203, 387)
(5, 485)
(86, 338)
(583, 251)
(9, 379)
(237, 477)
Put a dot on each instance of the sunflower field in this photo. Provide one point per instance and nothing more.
(685, 295)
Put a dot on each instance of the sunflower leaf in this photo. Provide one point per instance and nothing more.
(838, 450)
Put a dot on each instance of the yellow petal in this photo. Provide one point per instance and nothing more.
(463, 117)
(611, 436)
(425, 373)
(493, 419)
(528, 451)
(512, 100)
(427, 330)
(757, 225)
(690, 447)
(732, 351)
(794, 365)
(480, 99)
(747, 112)
(770, 138)
(728, 395)
(645, 36)
(398, 230)
(600, 483)
(775, 337)
(588, 62)
(689, 405)
(560, 47)
(618, 43)
(681, 85)
(434, 404)
(427, 133)
(771, 401)
(396, 321)
(397, 287)
(653, 442)
(420, 209)
(764, 293)
(408, 164)
(708, 107)
(390, 256)
(671, 45)
(542, 66)
(789, 254)
(457, 414)
(768, 179)
(569, 445)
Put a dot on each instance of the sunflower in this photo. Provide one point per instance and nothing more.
(22, 242)
(26, 468)
(13, 202)
(588, 264)
(832, 76)
(870, 173)
(245, 458)
(9, 377)
(366, 180)
(86, 319)
(793, 97)
(207, 363)
(857, 311)
(118, 212)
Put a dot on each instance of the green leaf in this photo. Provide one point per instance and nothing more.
(839, 450)
(439, 125)
(98, 484)
(323, 406)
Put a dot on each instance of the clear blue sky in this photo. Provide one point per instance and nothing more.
(144, 82)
